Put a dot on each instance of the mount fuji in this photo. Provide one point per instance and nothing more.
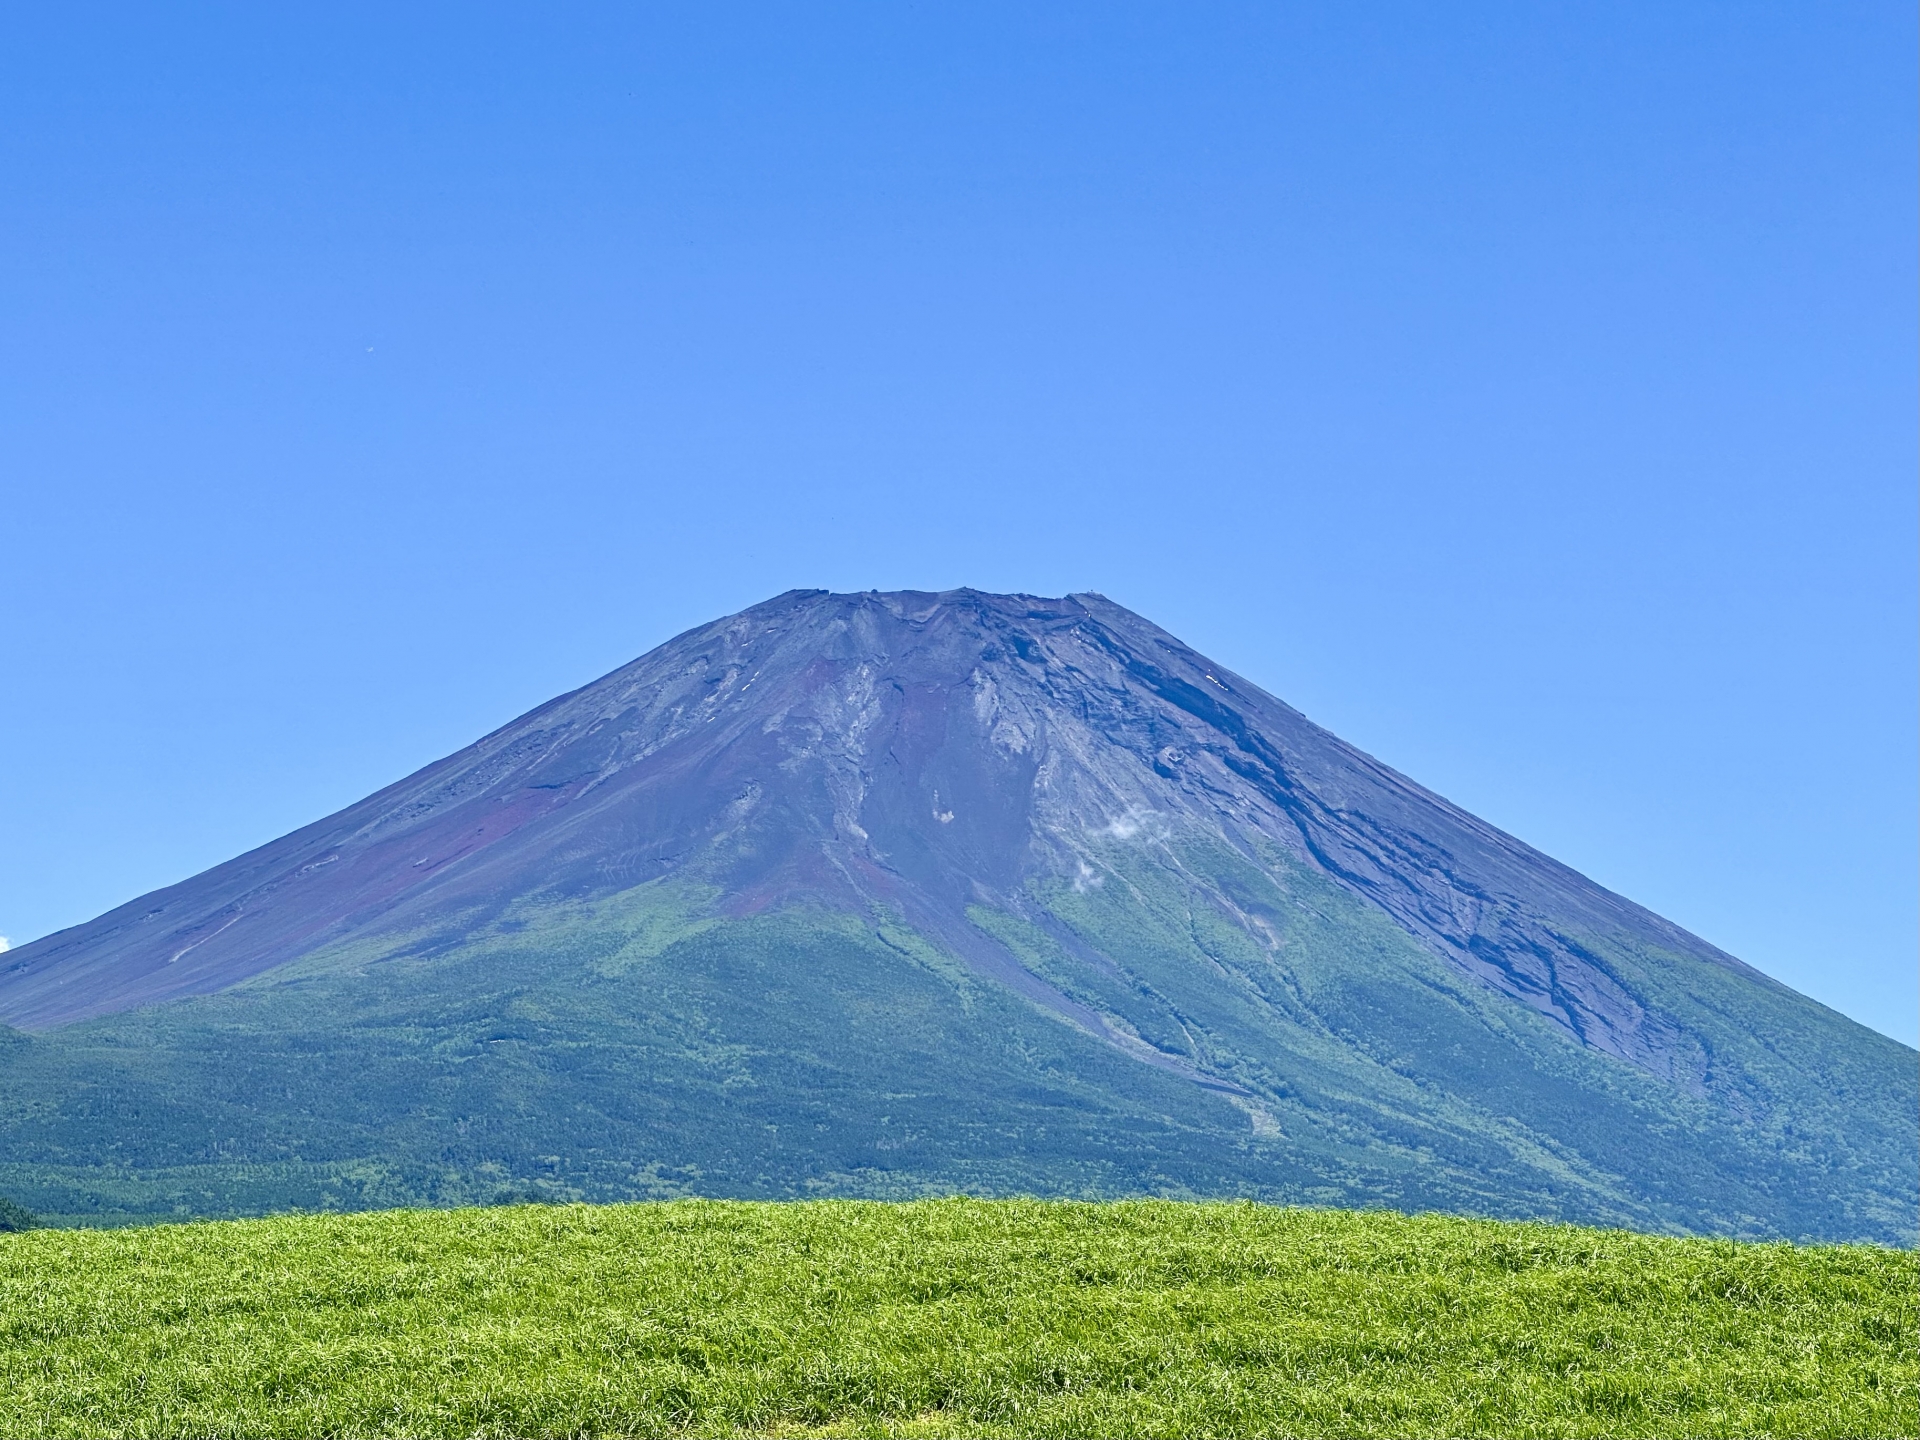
(894, 894)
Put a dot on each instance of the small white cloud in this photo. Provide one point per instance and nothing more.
(1137, 822)
(5, 945)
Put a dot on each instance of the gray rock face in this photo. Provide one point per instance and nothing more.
(922, 751)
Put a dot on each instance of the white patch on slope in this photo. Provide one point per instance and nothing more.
(846, 714)
(1137, 823)
(996, 718)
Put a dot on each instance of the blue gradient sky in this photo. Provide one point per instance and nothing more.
(1525, 392)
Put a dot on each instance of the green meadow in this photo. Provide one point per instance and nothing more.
(946, 1317)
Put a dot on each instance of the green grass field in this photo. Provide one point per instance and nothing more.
(946, 1317)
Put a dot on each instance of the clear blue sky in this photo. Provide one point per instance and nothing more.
(1524, 391)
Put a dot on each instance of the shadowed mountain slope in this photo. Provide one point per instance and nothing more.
(894, 892)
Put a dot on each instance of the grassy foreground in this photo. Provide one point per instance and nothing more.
(945, 1317)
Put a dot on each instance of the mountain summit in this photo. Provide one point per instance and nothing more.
(890, 893)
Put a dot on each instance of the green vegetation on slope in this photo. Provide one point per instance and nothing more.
(946, 1317)
(602, 1054)
(1798, 1124)
(641, 1047)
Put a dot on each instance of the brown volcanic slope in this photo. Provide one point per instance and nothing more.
(948, 758)
(920, 750)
